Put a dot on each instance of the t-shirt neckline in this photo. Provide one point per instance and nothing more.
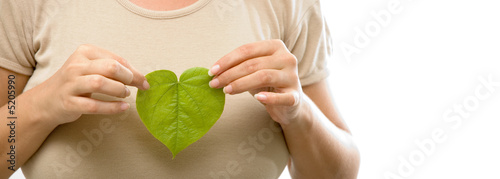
(163, 14)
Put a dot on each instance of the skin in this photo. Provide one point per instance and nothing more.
(88, 70)
(163, 5)
(319, 142)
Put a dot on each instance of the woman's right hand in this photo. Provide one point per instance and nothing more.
(66, 95)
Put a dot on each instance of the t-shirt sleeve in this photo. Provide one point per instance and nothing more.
(16, 52)
(310, 42)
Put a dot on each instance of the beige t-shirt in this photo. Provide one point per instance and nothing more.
(36, 37)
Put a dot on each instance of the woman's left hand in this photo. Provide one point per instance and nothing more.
(268, 71)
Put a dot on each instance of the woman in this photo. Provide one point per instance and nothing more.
(76, 116)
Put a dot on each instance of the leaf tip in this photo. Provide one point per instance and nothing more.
(173, 155)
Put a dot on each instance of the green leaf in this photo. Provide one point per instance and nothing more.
(178, 113)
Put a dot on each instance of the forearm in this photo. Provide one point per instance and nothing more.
(318, 148)
(26, 132)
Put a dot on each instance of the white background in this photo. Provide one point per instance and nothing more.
(429, 57)
(396, 90)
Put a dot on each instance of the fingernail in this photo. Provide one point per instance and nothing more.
(127, 92)
(124, 106)
(214, 70)
(260, 97)
(145, 85)
(214, 83)
(228, 89)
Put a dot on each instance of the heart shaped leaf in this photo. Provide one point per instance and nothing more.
(178, 113)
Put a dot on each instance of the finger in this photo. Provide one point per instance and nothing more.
(100, 84)
(242, 53)
(109, 68)
(244, 69)
(259, 79)
(92, 52)
(86, 105)
(279, 99)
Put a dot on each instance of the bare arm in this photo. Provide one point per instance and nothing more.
(63, 98)
(320, 143)
(29, 131)
(318, 140)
